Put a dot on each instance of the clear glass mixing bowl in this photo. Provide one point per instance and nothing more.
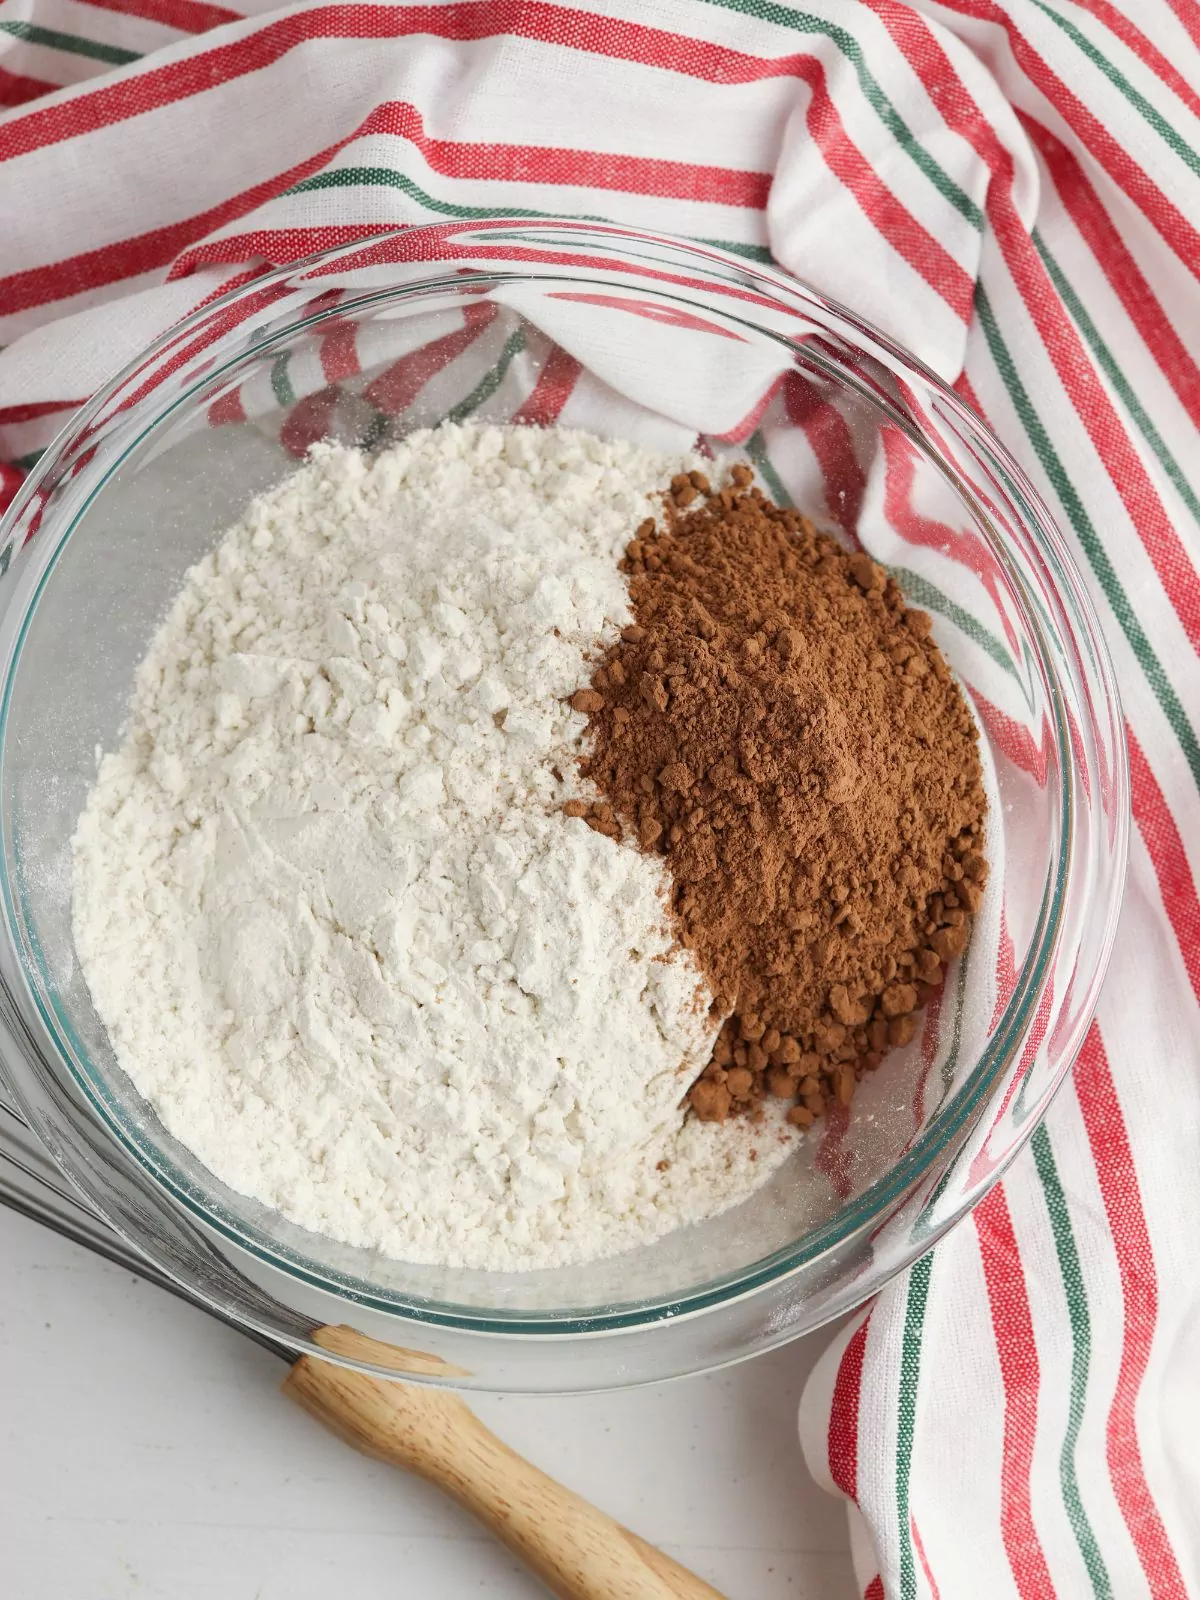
(638, 335)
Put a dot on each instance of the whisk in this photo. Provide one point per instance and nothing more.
(576, 1551)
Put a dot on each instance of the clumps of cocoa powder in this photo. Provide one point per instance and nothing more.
(783, 729)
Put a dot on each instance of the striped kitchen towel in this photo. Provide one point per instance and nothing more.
(1019, 183)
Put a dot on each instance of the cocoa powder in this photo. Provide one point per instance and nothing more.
(782, 727)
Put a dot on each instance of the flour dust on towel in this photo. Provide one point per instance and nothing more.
(329, 906)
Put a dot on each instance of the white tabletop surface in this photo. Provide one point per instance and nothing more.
(145, 1454)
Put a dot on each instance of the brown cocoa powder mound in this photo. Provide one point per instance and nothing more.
(784, 730)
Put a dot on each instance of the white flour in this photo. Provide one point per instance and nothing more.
(328, 906)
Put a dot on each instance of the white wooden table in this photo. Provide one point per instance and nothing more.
(145, 1454)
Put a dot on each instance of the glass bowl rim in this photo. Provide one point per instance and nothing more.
(1007, 1034)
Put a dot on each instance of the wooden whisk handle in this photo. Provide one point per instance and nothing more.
(576, 1551)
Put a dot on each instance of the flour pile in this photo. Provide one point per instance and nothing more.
(327, 902)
